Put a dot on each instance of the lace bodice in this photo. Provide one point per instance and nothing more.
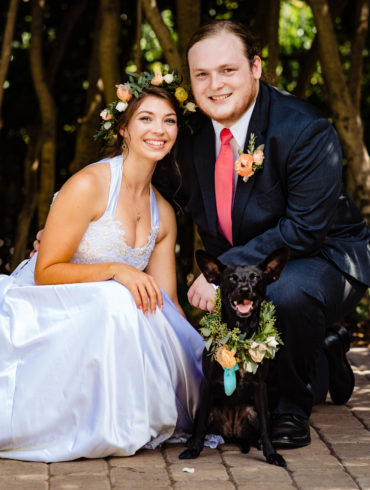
(104, 239)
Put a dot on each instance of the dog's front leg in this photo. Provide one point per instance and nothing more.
(196, 442)
(260, 398)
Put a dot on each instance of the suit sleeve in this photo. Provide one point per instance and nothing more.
(312, 181)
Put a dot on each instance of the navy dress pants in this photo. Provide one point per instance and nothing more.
(311, 294)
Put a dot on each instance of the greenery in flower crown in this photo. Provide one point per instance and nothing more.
(132, 88)
(247, 352)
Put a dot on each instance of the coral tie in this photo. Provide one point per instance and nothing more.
(224, 177)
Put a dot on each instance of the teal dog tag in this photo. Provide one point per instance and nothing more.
(230, 379)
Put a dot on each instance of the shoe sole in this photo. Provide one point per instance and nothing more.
(287, 444)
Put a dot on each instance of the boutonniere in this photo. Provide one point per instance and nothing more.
(248, 163)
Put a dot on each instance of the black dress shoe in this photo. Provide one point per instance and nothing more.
(290, 431)
(341, 378)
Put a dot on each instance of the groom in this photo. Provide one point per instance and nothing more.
(297, 199)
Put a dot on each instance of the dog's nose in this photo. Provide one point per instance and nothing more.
(244, 289)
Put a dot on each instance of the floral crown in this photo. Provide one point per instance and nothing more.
(136, 84)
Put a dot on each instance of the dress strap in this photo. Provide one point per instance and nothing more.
(115, 164)
(154, 213)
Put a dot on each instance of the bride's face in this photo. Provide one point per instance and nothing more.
(152, 129)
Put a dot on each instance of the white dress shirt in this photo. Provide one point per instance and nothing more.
(239, 131)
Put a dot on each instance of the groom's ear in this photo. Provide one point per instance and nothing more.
(211, 267)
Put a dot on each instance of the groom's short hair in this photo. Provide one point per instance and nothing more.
(212, 28)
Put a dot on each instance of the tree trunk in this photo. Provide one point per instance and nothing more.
(86, 149)
(273, 40)
(139, 31)
(6, 49)
(188, 15)
(163, 34)
(346, 118)
(70, 18)
(260, 27)
(108, 47)
(31, 163)
(358, 45)
(309, 62)
(48, 115)
(31, 166)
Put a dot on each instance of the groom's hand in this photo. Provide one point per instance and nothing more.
(36, 243)
(202, 294)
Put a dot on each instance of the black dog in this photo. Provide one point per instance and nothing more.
(243, 416)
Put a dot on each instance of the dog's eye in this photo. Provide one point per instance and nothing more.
(253, 275)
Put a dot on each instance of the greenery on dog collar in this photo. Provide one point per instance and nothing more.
(231, 347)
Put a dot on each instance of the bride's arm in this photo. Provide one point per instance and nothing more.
(81, 200)
(162, 263)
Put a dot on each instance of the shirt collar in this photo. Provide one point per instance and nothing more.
(239, 129)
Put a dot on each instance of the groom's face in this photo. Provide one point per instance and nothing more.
(223, 81)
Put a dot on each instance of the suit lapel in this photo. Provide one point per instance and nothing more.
(204, 161)
(257, 126)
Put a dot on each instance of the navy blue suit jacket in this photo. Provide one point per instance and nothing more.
(297, 199)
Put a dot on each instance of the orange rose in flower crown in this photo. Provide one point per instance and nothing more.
(157, 79)
(225, 357)
(123, 93)
(248, 163)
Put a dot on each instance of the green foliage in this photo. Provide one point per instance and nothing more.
(263, 343)
(297, 28)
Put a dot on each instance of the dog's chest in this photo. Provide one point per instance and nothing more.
(243, 392)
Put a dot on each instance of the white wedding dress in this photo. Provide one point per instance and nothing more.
(83, 372)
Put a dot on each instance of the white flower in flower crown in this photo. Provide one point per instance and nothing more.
(191, 107)
(169, 78)
(121, 106)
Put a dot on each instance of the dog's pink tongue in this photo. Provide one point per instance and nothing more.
(244, 307)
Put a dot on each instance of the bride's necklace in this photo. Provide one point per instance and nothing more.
(139, 212)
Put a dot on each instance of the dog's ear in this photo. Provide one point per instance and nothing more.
(274, 263)
(210, 266)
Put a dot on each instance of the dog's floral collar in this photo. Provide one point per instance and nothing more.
(248, 163)
(232, 350)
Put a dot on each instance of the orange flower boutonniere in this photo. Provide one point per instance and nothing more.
(248, 163)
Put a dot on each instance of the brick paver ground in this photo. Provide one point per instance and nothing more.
(337, 458)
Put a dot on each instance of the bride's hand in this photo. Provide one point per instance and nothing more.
(142, 286)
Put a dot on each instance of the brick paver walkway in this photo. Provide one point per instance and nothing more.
(337, 458)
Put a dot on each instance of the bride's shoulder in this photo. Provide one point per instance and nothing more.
(163, 205)
(92, 180)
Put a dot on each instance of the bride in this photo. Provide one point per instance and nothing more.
(96, 356)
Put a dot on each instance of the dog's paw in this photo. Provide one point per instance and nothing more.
(245, 447)
(258, 444)
(276, 459)
(189, 454)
